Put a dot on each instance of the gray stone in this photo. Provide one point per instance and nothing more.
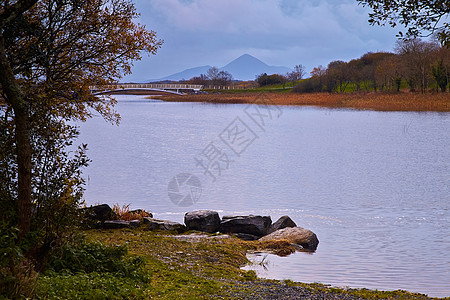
(116, 224)
(140, 211)
(296, 235)
(282, 222)
(135, 223)
(202, 220)
(254, 225)
(246, 236)
(154, 224)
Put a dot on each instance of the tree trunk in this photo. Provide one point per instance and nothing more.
(15, 98)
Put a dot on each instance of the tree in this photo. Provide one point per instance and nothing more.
(202, 79)
(264, 79)
(440, 75)
(416, 58)
(218, 78)
(337, 77)
(212, 74)
(51, 52)
(388, 72)
(319, 73)
(297, 74)
(417, 16)
(224, 78)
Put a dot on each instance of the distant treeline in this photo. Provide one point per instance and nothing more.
(415, 64)
(420, 65)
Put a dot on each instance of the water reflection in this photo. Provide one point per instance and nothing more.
(373, 186)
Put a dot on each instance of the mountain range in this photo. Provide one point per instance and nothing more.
(245, 67)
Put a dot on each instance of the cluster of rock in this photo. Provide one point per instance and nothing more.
(248, 227)
(252, 227)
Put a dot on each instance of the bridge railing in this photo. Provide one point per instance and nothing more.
(158, 86)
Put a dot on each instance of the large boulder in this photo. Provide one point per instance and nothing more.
(296, 235)
(100, 212)
(254, 225)
(282, 222)
(117, 224)
(202, 220)
(94, 216)
(154, 224)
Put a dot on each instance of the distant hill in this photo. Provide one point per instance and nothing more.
(245, 67)
(186, 74)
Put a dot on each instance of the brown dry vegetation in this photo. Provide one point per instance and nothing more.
(124, 213)
(365, 101)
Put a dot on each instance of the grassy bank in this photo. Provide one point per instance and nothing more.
(365, 101)
(192, 267)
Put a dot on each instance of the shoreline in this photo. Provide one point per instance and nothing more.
(403, 101)
(210, 266)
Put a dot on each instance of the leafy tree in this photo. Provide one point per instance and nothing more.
(417, 16)
(337, 77)
(388, 73)
(264, 79)
(440, 75)
(51, 52)
(224, 78)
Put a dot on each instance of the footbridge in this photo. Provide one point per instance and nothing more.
(178, 89)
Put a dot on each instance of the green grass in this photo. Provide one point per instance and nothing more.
(159, 265)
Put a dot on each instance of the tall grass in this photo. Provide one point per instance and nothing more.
(403, 101)
(123, 213)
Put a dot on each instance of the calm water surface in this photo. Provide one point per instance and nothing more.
(373, 186)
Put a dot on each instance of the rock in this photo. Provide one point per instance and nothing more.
(135, 223)
(254, 225)
(202, 220)
(296, 235)
(154, 224)
(141, 211)
(282, 222)
(100, 212)
(116, 224)
(246, 236)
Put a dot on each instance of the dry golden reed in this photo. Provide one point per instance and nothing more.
(123, 213)
(403, 101)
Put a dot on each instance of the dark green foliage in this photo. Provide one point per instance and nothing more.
(265, 79)
(94, 257)
(89, 286)
(93, 271)
(440, 75)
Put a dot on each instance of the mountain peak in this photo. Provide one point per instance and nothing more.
(247, 60)
(245, 67)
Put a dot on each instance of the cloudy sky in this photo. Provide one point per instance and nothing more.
(278, 32)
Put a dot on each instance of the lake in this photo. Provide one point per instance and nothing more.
(373, 186)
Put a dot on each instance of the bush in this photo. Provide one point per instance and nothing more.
(88, 286)
(95, 257)
(93, 271)
(311, 85)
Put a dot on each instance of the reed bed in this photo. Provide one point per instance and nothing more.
(403, 101)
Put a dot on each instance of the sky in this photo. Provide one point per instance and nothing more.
(278, 32)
